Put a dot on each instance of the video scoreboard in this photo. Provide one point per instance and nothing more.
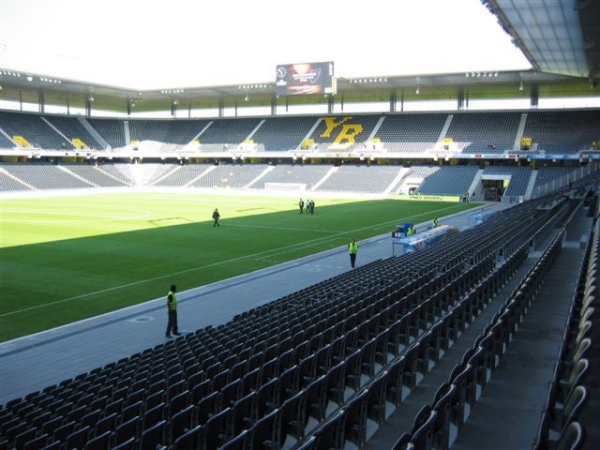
(305, 79)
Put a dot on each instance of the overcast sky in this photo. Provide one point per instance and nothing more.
(145, 44)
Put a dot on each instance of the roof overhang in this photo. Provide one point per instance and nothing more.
(560, 37)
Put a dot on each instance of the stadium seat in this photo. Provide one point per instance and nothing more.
(199, 390)
(179, 422)
(317, 399)
(268, 397)
(477, 360)
(237, 370)
(396, 392)
(575, 377)
(324, 358)
(402, 442)
(78, 438)
(336, 384)
(127, 430)
(412, 374)
(422, 431)
(377, 398)
(306, 372)
(206, 408)
(61, 433)
(289, 382)
(445, 431)
(131, 411)
(154, 437)
(229, 393)
(250, 381)
(294, 416)
(245, 413)
(107, 423)
(154, 415)
(368, 357)
(128, 444)
(354, 370)
(571, 410)
(100, 442)
(309, 443)
(24, 436)
(462, 376)
(269, 369)
(266, 431)
(241, 441)
(215, 429)
(330, 434)
(191, 439)
(355, 419)
(397, 337)
(572, 437)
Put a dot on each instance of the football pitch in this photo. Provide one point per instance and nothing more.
(68, 258)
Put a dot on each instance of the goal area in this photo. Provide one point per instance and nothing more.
(285, 187)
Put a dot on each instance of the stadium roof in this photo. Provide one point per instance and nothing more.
(555, 36)
(561, 40)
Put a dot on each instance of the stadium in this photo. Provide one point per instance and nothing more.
(481, 338)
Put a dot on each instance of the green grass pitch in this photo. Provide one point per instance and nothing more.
(64, 259)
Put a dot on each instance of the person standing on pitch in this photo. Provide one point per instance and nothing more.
(352, 250)
(216, 217)
(172, 311)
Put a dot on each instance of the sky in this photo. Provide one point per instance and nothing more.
(141, 44)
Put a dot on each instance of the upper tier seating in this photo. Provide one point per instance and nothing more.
(179, 132)
(471, 132)
(411, 132)
(33, 128)
(283, 133)
(484, 132)
(112, 130)
(563, 131)
(343, 132)
(227, 133)
(5, 142)
(72, 128)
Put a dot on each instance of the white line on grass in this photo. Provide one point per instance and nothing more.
(263, 227)
(101, 216)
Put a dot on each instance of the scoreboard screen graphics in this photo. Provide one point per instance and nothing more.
(304, 79)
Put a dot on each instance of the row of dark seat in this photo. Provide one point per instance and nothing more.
(438, 423)
(406, 372)
(568, 394)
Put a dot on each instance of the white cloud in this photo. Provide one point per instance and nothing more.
(182, 43)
